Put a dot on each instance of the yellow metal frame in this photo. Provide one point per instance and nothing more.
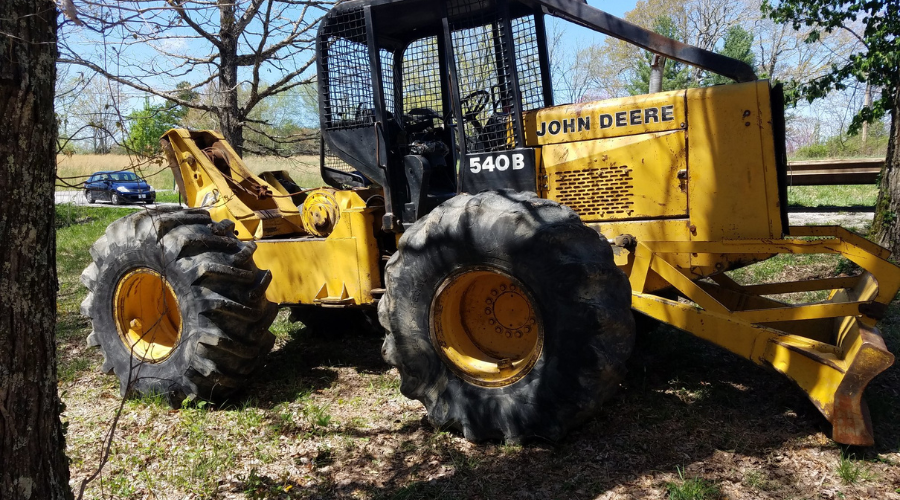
(324, 252)
(831, 349)
(229, 192)
(341, 269)
(695, 192)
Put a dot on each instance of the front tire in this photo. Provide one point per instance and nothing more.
(115, 199)
(178, 306)
(506, 317)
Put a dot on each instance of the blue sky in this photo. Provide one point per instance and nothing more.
(135, 99)
(614, 7)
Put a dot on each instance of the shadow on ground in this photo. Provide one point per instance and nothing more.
(683, 402)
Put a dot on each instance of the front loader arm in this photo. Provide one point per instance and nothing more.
(211, 175)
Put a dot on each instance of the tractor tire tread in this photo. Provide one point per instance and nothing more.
(589, 330)
(221, 296)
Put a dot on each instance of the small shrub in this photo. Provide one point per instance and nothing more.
(318, 416)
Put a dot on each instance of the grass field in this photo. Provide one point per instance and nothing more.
(324, 419)
(73, 171)
(863, 195)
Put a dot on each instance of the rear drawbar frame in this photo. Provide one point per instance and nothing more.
(830, 349)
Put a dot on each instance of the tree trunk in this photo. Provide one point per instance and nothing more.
(867, 103)
(885, 228)
(230, 121)
(33, 464)
(657, 68)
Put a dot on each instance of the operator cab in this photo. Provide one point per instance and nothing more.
(426, 98)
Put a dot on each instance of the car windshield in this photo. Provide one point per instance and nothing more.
(123, 176)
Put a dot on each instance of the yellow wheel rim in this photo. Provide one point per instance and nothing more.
(486, 327)
(147, 316)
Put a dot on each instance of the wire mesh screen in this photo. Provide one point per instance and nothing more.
(349, 101)
(528, 62)
(483, 69)
(387, 79)
(422, 76)
(331, 161)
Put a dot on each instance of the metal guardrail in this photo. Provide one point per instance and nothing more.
(834, 172)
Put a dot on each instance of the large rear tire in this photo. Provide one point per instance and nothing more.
(178, 306)
(507, 317)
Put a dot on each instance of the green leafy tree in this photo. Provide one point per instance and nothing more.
(676, 75)
(876, 61)
(737, 44)
(149, 124)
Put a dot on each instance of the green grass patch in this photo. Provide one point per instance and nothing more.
(852, 471)
(833, 196)
(77, 228)
(694, 488)
(168, 197)
(757, 480)
(786, 265)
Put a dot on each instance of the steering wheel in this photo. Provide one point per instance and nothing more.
(418, 119)
(474, 103)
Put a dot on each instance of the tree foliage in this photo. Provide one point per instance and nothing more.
(778, 51)
(874, 23)
(147, 125)
(738, 44)
(876, 60)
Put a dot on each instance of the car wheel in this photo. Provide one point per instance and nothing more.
(89, 197)
(115, 199)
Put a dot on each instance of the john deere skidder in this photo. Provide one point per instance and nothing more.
(503, 238)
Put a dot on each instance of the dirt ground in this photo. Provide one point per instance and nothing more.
(686, 411)
(849, 220)
(324, 419)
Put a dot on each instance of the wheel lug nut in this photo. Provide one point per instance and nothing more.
(494, 293)
(503, 287)
(487, 310)
(491, 322)
(488, 301)
(508, 334)
(518, 334)
(498, 330)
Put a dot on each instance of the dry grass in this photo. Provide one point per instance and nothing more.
(324, 419)
(73, 171)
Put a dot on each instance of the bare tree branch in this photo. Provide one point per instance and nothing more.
(235, 54)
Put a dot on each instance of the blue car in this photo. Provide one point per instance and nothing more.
(117, 188)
